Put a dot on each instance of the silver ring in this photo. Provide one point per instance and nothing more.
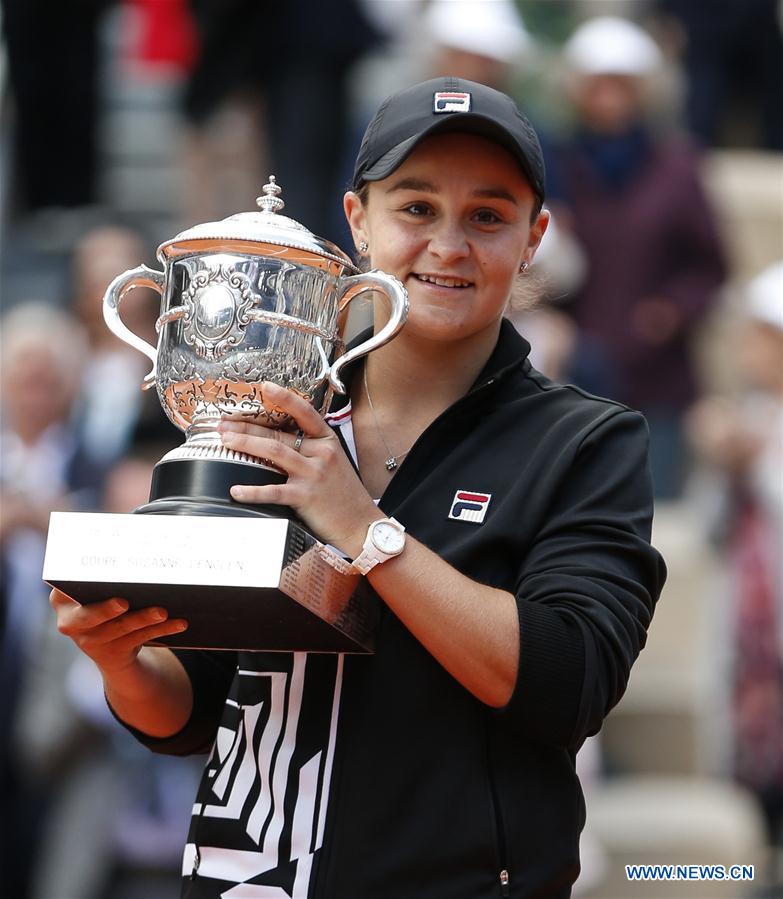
(300, 435)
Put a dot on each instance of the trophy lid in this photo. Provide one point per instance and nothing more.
(262, 233)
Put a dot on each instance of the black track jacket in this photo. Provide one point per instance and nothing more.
(381, 777)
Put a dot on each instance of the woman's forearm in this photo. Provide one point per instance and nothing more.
(153, 695)
(470, 628)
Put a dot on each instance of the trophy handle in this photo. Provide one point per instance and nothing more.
(115, 293)
(397, 297)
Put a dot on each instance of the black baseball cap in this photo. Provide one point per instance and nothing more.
(442, 105)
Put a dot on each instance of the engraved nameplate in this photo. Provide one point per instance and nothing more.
(166, 549)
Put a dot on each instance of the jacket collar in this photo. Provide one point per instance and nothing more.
(511, 352)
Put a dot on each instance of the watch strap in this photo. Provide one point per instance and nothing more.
(365, 562)
(341, 565)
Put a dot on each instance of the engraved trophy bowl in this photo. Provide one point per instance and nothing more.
(256, 297)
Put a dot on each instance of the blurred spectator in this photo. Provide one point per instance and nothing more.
(52, 54)
(742, 437)
(654, 260)
(116, 819)
(295, 58)
(42, 467)
(43, 464)
(111, 403)
(474, 40)
(733, 54)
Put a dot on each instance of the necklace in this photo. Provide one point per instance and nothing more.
(393, 460)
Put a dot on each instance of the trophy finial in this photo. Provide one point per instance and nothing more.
(270, 201)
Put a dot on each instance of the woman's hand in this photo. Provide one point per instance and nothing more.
(108, 633)
(471, 629)
(322, 488)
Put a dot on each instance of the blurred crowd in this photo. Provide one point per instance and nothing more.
(640, 272)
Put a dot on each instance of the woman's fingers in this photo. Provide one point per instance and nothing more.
(272, 449)
(146, 634)
(272, 494)
(73, 618)
(109, 625)
(305, 415)
(282, 448)
(322, 486)
(134, 623)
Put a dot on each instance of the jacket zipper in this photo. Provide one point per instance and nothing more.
(500, 828)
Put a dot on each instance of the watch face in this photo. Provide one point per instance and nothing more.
(387, 537)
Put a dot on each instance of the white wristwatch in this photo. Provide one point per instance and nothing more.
(385, 540)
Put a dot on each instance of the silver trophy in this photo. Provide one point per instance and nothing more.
(256, 297)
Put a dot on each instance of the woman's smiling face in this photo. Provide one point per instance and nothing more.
(453, 223)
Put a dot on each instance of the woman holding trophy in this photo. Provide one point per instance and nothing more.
(503, 520)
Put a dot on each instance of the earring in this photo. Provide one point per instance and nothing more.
(363, 246)
(524, 267)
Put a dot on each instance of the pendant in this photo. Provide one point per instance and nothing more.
(391, 463)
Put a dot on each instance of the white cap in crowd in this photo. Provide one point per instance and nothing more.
(765, 296)
(492, 29)
(609, 45)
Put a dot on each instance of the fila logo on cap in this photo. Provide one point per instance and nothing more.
(469, 506)
(451, 101)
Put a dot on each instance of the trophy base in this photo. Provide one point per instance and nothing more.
(240, 583)
(244, 577)
(202, 487)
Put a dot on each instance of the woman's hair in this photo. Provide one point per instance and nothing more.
(527, 291)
